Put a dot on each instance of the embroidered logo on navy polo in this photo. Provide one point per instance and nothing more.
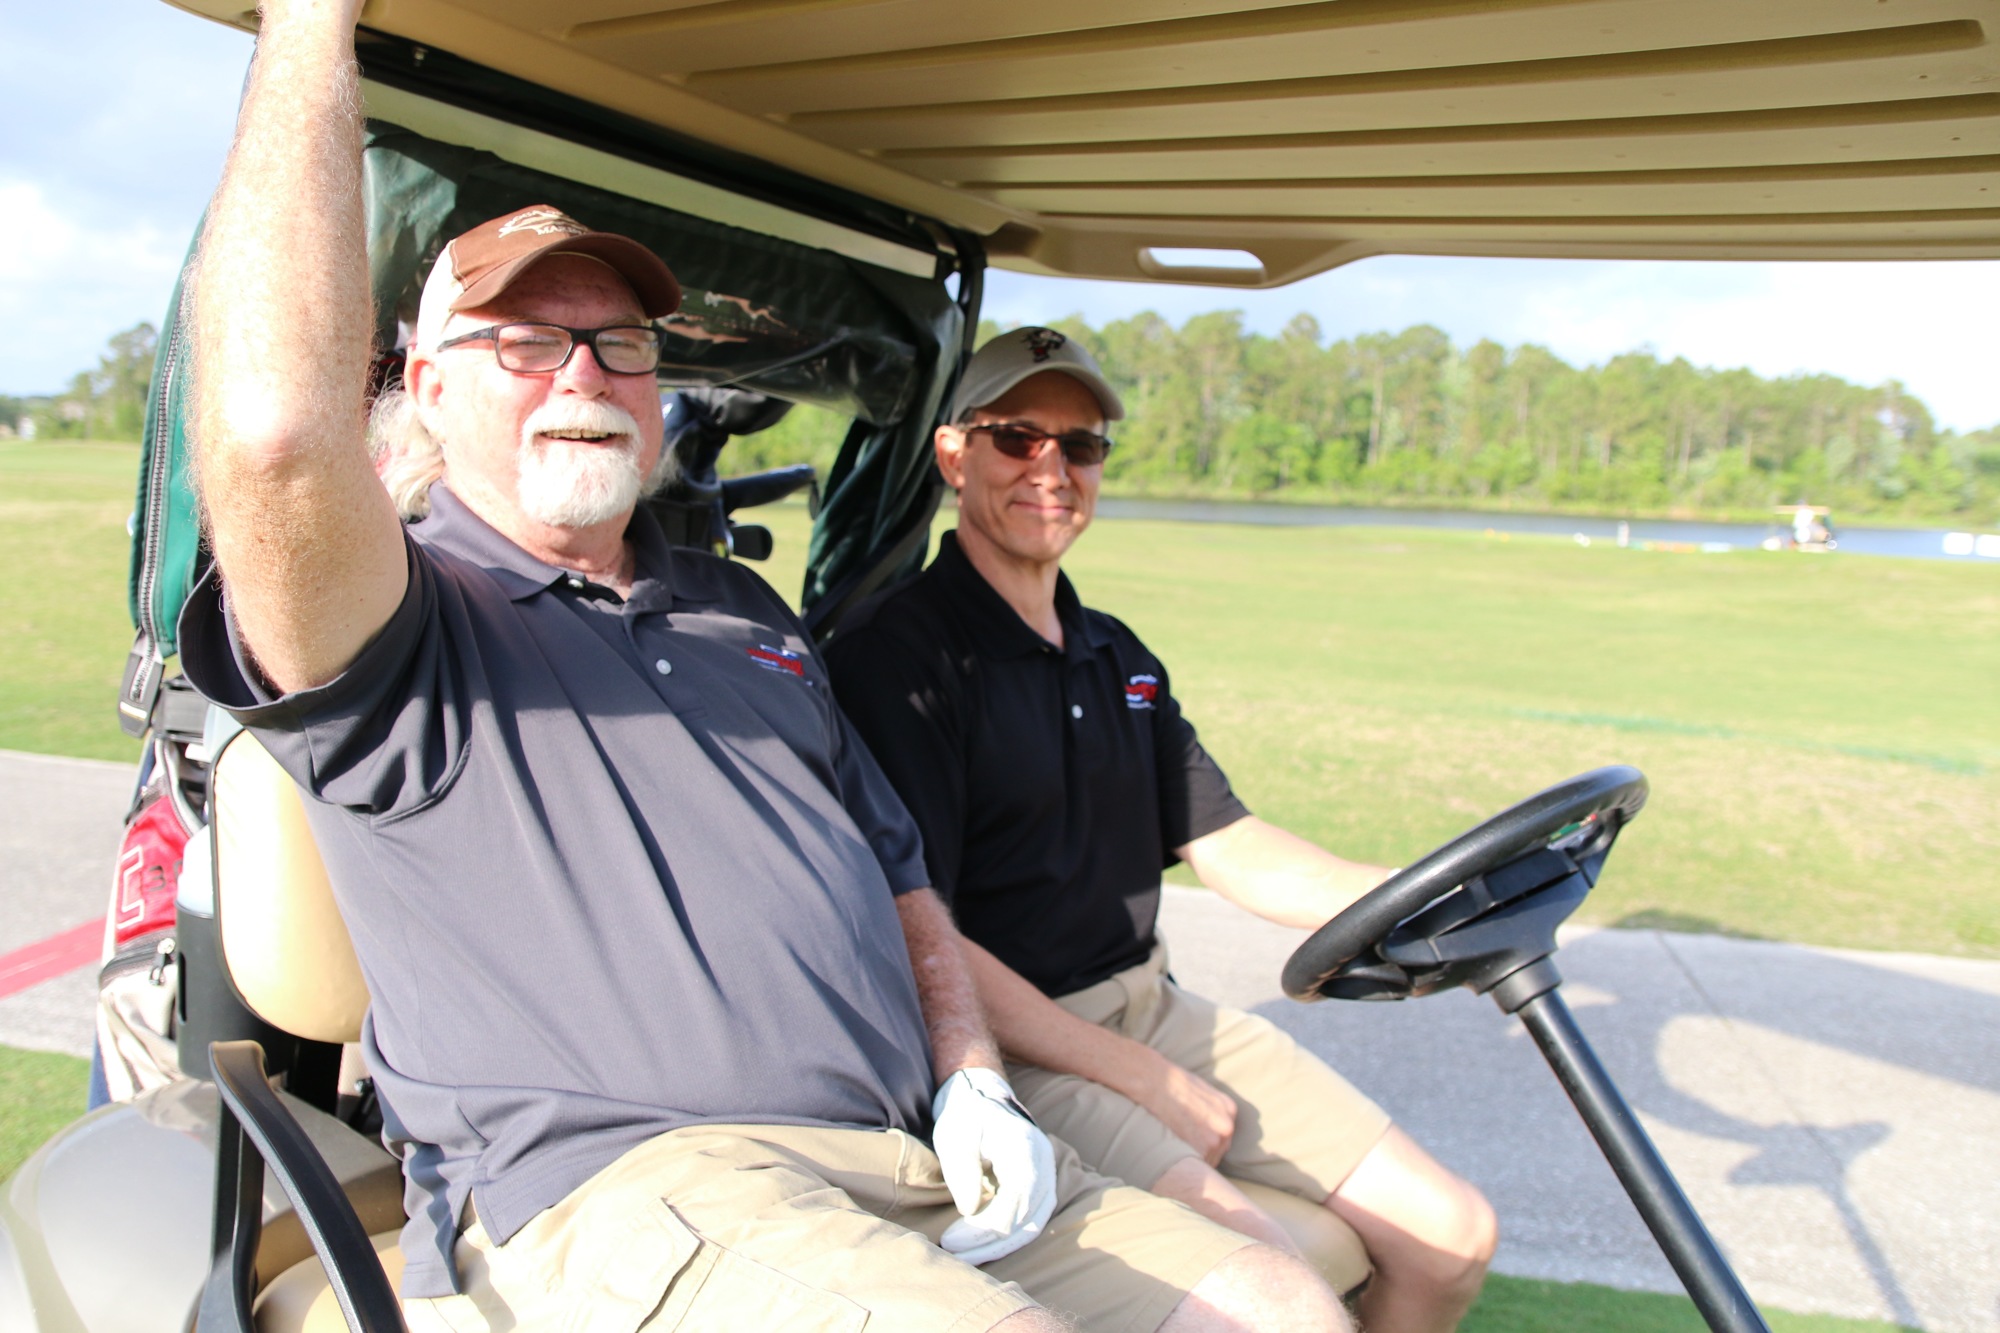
(1140, 691)
(778, 659)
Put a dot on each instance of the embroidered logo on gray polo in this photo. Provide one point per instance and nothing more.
(1140, 691)
(778, 659)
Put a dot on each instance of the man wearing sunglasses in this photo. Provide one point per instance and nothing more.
(1053, 777)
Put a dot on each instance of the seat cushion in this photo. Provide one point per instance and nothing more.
(287, 948)
(300, 1299)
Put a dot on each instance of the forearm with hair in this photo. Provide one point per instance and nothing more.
(957, 1025)
(282, 321)
(282, 310)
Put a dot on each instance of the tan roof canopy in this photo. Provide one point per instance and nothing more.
(1078, 135)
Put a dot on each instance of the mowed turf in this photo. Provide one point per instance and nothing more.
(64, 629)
(1524, 1305)
(1822, 733)
(40, 1092)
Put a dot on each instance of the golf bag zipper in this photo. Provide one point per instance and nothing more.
(145, 666)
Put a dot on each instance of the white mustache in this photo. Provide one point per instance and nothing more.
(587, 416)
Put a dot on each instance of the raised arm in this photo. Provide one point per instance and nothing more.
(311, 555)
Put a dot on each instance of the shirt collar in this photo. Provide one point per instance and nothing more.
(453, 527)
(996, 625)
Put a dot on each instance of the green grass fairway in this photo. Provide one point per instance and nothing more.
(1822, 733)
(63, 507)
(1523, 1305)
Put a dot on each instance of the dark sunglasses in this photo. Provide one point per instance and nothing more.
(537, 349)
(1017, 439)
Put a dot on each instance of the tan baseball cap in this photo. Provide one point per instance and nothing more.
(477, 266)
(1018, 353)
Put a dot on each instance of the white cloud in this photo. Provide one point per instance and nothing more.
(1930, 325)
(67, 285)
(118, 113)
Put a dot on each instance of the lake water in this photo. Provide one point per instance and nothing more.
(1926, 543)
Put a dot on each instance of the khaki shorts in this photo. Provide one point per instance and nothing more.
(752, 1227)
(1300, 1127)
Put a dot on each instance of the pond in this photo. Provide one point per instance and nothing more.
(1927, 543)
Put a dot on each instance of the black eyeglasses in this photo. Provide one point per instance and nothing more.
(1018, 439)
(537, 349)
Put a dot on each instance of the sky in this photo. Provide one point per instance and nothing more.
(118, 115)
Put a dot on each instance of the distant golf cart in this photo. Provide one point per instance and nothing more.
(831, 186)
(1811, 528)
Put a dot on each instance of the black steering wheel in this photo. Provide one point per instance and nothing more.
(1518, 875)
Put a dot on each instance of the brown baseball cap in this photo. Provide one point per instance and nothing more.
(475, 267)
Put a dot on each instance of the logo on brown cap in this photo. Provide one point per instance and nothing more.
(542, 222)
(487, 259)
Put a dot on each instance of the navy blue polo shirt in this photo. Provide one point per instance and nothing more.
(611, 868)
(1051, 785)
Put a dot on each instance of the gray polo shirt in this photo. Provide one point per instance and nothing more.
(610, 867)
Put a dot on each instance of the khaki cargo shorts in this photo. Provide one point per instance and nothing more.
(1300, 1127)
(744, 1228)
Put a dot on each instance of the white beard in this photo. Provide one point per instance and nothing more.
(568, 484)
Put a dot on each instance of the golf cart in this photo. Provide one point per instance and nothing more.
(830, 179)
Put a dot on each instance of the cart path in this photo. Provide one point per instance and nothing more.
(58, 844)
(1834, 1115)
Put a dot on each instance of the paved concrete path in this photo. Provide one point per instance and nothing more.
(1834, 1115)
(58, 843)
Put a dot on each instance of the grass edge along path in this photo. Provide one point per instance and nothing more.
(1533, 1305)
(40, 1092)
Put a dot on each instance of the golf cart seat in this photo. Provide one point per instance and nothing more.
(285, 949)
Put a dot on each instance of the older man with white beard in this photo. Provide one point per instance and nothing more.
(578, 460)
(666, 1026)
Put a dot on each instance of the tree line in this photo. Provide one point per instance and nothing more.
(1412, 418)
(1398, 418)
(106, 402)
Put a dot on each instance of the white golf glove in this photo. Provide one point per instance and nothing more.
(982, 1129)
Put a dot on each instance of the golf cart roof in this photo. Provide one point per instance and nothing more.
(1081, 138)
